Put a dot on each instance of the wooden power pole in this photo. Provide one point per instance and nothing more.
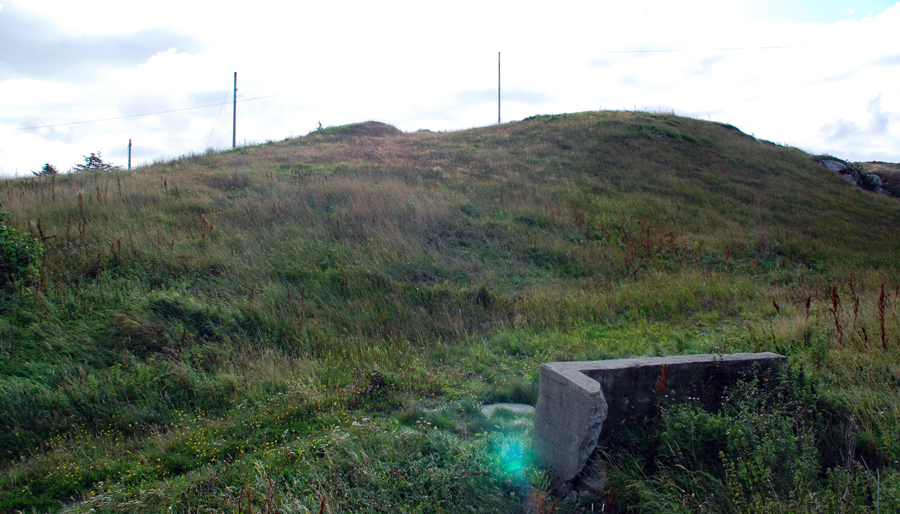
(498, 88)
(234, 116)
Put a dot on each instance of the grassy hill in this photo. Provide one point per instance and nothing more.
(310, 325)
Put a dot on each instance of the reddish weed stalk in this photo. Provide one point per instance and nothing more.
(881, 298)
(835, 308)
(662, 383)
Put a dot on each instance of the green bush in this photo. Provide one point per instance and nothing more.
(20, 256)
(756, 453)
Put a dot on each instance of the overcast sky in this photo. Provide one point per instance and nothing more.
(822, 75)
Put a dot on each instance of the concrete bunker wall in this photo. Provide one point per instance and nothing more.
(579, 402)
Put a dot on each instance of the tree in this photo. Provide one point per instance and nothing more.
(94, 162)
(47, 170)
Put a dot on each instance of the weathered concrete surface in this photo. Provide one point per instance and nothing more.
(567, 422)
(579, 402)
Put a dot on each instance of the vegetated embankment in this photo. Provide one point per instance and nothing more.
(309, 325)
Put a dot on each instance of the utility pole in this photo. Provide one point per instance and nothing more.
(498, 88)
(234, 116)
(129, 155)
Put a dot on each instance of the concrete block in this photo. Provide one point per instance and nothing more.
(579, 402)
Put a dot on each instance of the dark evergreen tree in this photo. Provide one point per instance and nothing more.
(47, 169)
(94, 162)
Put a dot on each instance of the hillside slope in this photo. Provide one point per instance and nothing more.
(218, 315)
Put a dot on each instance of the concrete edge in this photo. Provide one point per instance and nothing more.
(567, 430)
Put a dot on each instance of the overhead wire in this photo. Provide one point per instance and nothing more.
(221, 105)
(224, 101)
(732, 49)
(7, 153)
(138, 115)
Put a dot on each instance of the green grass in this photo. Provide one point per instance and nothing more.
(201, 329)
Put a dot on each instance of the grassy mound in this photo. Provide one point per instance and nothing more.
(310, 325)
(365, 129)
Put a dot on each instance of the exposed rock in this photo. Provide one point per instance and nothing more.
(856, 176)
(888, 172)
(876, 182)
(832, 165)
(846, 172)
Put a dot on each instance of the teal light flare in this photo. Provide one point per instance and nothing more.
(510, 451)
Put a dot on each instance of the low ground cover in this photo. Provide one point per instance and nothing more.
(310, 325)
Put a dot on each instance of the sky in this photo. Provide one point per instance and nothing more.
(820, 75)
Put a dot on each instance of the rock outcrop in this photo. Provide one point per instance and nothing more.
(856, 176)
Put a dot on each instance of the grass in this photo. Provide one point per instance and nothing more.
(263, 328)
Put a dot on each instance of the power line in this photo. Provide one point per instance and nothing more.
(224, 101)
(703, 50)
(139, 115)
(4, 151)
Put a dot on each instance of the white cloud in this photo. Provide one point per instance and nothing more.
(847, 136)
(428, 65)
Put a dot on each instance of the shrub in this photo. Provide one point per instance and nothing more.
(20, 256)
(757, 453)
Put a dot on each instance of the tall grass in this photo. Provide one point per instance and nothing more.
(220, 311)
